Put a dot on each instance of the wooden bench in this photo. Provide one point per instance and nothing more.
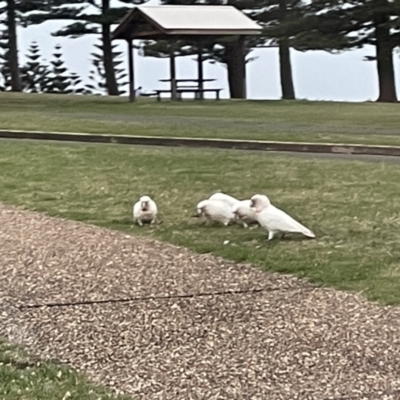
(187, 89)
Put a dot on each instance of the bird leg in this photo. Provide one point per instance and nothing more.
(270, 235)
(140, 222)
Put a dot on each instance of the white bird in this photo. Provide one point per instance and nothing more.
(226, 198)
(275, 220)
(145, 210)
(215, 210)
(244, 213)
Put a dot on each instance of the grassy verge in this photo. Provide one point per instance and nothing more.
(300, 121)
(23, 378)
(352, 206)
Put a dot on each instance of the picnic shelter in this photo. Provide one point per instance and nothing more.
(195, 23)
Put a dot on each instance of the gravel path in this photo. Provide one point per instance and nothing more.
(164, 323)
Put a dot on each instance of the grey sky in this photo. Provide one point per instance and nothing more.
(317, 75)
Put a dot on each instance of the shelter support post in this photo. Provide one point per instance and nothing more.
(172, 70)
(131, 71)
(200, 69)
(242, 55)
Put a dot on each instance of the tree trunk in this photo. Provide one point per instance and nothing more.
(111, 81)
(13, 47)
(384, 59)
(235, 61)
(284, 59)
(286, 71)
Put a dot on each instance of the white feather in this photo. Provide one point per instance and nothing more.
(275, 220)
(243, 212)
(226, 198)
(216, 210)
(145, 210)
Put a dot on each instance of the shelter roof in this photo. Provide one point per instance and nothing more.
(154, 22)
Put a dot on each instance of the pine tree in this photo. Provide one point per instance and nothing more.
(34, 74)
(76, 81)
(8, 15)
(59, 80)
(86, 22)
(98, 76)
(280, 19)
(5, 75)
(12, 14)
(337, 25)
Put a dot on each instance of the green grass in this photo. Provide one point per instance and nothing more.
(352, 206)
(23, 378)
(362, 123)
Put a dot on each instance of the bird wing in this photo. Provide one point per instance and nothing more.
(278, 221)
(219, 209)
(226, 198)
(137, 210)
(153, 207)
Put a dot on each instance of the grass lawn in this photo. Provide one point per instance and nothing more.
(22, 378)
(352, 206)
(300, 121)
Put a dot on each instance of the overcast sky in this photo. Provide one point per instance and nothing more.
(317, 75)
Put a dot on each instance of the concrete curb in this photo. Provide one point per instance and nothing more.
(327, 148)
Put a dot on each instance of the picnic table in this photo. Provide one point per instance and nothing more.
(196, 89)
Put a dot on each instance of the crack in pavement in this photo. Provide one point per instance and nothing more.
(150, 298)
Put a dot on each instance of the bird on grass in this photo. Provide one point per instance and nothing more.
(215, 210)
(226, 198)
(145, 211)
(244, 213)
(275, 220)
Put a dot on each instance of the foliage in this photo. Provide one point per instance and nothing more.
(54, 77)
(86, 17)
(97, 74)
(35, 74)
(5, 75)
(60, 80)
(334, 25)
(340, 24)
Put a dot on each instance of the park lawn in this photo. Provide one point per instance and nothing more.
(352, 206)
(25, 378)
(297, 121)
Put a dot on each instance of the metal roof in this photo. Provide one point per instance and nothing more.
(155, 21)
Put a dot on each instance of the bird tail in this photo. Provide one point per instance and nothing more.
(308, 233)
